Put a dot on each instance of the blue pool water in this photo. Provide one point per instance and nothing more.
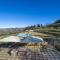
(35, 40)
(24, 35)
(28, 38)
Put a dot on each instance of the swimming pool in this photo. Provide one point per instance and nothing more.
(29, 38)
(23, 35)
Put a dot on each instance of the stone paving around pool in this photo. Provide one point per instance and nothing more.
(42, 54)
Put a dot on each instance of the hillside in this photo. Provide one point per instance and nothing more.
(56, 24)
(4, 32)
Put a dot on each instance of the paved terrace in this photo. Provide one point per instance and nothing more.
(40, 54)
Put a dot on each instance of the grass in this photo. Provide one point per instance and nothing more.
(49, 31)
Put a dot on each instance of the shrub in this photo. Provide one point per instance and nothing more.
(57, 47)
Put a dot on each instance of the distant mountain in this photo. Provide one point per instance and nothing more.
(10, 30)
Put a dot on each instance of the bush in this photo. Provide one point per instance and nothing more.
(57, 47)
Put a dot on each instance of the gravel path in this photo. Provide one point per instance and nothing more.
(41, 54)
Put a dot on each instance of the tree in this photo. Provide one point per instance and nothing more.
(34, 25)
(38, 25)
(41, 25)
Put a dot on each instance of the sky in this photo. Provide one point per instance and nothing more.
(21, 13)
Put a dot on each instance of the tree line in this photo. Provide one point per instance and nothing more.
(34, 26)
(55, 24)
